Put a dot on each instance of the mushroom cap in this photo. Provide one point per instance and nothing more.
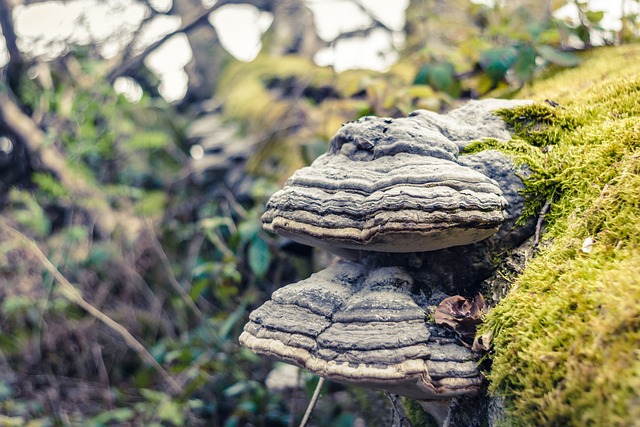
(387, 185)
(362, 327)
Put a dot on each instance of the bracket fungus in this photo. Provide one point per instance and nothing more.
(360, 326)
(387, 185)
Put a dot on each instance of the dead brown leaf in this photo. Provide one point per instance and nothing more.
(461, 314)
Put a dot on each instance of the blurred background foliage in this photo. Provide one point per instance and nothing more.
(131, 248)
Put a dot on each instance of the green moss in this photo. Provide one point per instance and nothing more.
(566, 346)
(417, 415)
(539, 124)
(538, 189)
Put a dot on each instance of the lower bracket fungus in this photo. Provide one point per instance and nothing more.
(359, 326)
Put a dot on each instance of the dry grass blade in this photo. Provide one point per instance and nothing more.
(312, 403)
(72, 294)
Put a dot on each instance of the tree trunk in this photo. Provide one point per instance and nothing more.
(293, 31)
(209, 57)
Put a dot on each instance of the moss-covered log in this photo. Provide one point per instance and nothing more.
(566, 346)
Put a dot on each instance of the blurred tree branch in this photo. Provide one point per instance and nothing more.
(127, 64)
(16, 65)
(45, 156)
(364, 32)
(292, 32)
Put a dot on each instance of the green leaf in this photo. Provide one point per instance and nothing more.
(232, 421)
(8, 344)
(237, 389)
(259, 256)
(263, 189)
(152, 395)
(248, 230)
(171, 412)
(6, 421)
(443, 79)
(422, 78)
(485, 84)
(248, 406)
(119, 415)
(147, 141)
(495, 62)
(215, 222)
(76, 233)
(195, 404)
(30, 214)
(550, 54)
(198, 287)
(152, 203)
(159, 351)
(594, 16)
(237, 315)
(582, 31)
(99, 255)
(230, 271)
(550, 36)
(420, 91)
(525, 63)
(49, 185)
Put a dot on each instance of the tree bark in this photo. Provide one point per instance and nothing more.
(17, 64)
(293, 31)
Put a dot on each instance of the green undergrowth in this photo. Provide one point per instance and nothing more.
(566, 344)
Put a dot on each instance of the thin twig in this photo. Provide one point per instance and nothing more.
(192, 258)
(294, 398)
(73, 294)
(153, 13)
(312, 403)
(130, 63)
(176, 285)
(171, 276)
(396, 412)
(8, 30)
(233, 202)
(187, 374)
(16, 65)
(543, 212)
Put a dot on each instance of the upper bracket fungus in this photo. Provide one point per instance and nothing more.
(387, 185)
